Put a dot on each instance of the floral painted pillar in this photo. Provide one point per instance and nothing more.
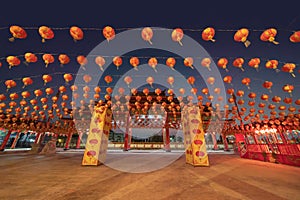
(97, 141)
(195, 147)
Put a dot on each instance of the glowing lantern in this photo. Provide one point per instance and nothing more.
(13, 96)
(30, 58)
(68, 78)
(65, 97)
(62, 89)
(288, 88)
(76, 33)
(208, 34)
(38, 93)
(150, 80)
(2, 97)
(47, 78)
(17, 32)
(181, 91)
(272, 64)
(82, 61)
(241, 102)
(49, 91)
(254, 62)
(152, 62)
(117, 61)
(269, 35)
(48, 59)
(12, 61)
(188, 62)
(241, 36)
(210, 80)
(295, 37)
(109, 33)
(171, 80)
(246, 81)
(276, 99)
(146, 91)
(12, 104)
(46, 33)
(264, 97)
(147, 34)
(170, 62)
(177, 35)
(87, 78)
(268, 85)
(73, 88)
(251, 103)
(289, 67)
(44, 100)
(128, 80)
(205, 91)
(86, 89)
(222, 63)
(100, 61)
(63, 59)
(10, 84)
(109, 90)
(252, 95)
(217, 90)
(191, 80)
(134, 61)
(108, 79)
(261, 105)
(194, 91)
(238, 62)
(23, 103)
(227, 79)
(97, 89)
(134, 91)
(27, 81)
(288, 100)
(281, 107)
(240, 93)
(206, 63)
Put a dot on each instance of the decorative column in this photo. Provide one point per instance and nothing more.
(37, 138)
(2, 147)
(15, 140)
(127, 134)
(68, 140)
(213, 135)
(79, 140)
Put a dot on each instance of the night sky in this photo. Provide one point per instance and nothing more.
(226, 19)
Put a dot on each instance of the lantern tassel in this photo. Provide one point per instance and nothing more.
(12, 39)
(180, 43)
(247, 43)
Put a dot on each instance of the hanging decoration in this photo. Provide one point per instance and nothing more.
(76, 33)
(147, 34)
(177, 35)
(242, 36)
(17, 32)
(46, 33)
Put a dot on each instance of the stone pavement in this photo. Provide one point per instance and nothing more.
(61, 176)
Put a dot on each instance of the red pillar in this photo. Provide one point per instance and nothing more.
(5, 140)
(78, 140)
(214, 141)
(225, 142)
(68, 141)
(37, 138)
(13, 145)
(167, 140)
(126, 137)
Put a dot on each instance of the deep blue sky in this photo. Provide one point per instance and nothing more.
(254, 15)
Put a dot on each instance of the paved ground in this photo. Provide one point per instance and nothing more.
(61, 176)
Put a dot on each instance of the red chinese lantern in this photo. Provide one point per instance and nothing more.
(227, 79)
(177, 35)
(289, 67)
(147, 34)
(152, 62)
(49, 91)
(238, 62)
(217, 90)
(222, 63)
(295, 37)
(191, 80)
(86, 89)
(268, 85)
(252, 95)
(109, 90)
(13, 96)
(10, 84)
(46, 33)
(2, 97)
(108, 79)
(241, 36)
(206, 63)
(264, 97)
(117, 60)
(44, 100)
(76, 33)
(73, 88)
(208, 34)
(272, 64)
(27, 81)
(109, 33)
(128, 80)
(269, 35)
(297, 102)
(97, 89)
(276, 99)
(241, 102)
(30, 58)
(48, 58)
(146, 91)
(254, 62)
(240, 93)
(17, 32)
(12, 61)
(150, 80)
(100, 61)
(194, 91)
(87, 78)
(181, 91)
(63, 59)
(210, 80)
(171, 80)
(47, 78)
(288, 88)
(246, 81)
(205, 91)
(134, 61)
(62, 89)
(170, 62)
(82, 61)
(68, 77)
(38, 93)
(288, 100)
(188, 61)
